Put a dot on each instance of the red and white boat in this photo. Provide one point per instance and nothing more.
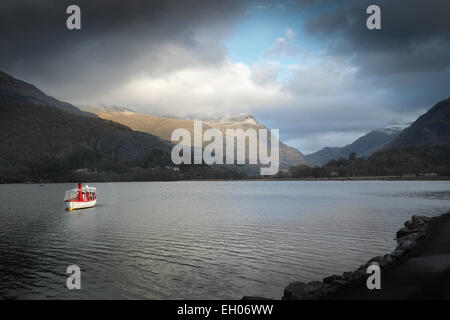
(83, 197)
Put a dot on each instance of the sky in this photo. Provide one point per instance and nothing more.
(309, 68)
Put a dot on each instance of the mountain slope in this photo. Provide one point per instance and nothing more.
(288, 156)
(364, 146)
(17, 90)
(37, 138)
(163, 127)
(158, 126)
(432, 128)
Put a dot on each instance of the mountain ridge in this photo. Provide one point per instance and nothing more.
(42, 136)
(364, 146)
(164, 126)
(18, 90)
(431, 128)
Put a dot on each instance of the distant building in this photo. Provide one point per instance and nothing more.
(82, 170)
(333, 174)
(431, 174)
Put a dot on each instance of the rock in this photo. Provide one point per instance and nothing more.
(347, 275)
(406, 246)
(331, 290)
(361, 267)
(355, 276)
(421, 235)
(414, 237)
(323, 292)
(407, 238)
(404, 232)
(386, 260)
(330, 279)
(254, 298)
(396, 255)
(297, 291)
(377, 259)
(417, 220)
(315, 283)
(417, 223)
(340, 283)
(382, 261)
(306, 291)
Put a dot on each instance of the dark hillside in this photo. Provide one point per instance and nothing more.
(36, 139)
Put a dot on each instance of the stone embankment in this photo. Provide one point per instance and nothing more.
(408, 238)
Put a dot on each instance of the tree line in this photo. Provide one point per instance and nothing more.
(415, 160)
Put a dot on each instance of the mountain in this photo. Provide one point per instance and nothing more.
(422, 160)
(432, 128)
(158, 126)
(16, 90)
(420, 150)
(364, 146)
(163, 126)
(288, 156)
(41, 136)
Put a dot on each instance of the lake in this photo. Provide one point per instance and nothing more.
(200, 239)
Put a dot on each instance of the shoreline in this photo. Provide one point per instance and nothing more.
(368, 178)
(419, 268)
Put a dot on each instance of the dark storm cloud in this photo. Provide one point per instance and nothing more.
(119, 39)
(403, 22)
(411, 51)
(357, 79)
(397, 72)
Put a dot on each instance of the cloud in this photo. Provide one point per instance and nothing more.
(265, 73)
(169, 57)
(331, 138)
(118, 41)
(414, 39)
(329, 101)
(225, 87)
(284, 46)
(291, 34)
(363, 78)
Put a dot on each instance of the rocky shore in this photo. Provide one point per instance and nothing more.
(408, 238)
(420, 262)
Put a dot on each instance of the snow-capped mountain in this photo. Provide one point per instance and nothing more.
(431, 128)
(363, 146)
(164, 126)
(105, 108)
(224, 118)
(395, 126)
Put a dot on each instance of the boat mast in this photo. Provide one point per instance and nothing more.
(80, 193)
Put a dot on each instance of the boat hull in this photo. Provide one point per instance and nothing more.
(75, 205)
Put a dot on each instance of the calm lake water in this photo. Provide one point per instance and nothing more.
(200, 240)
